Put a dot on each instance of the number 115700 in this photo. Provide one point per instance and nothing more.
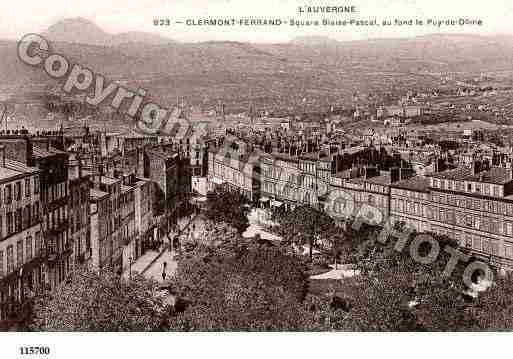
(34, 350)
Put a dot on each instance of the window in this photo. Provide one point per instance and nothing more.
(508, 251)
(370, 200)
(19, 253)
(8, 194)
(10, 259)
(36, 184)
(37, 244)
(468, 241)
(486, 246)
(18, 220)
(508, 228)
(28, 245)
(36, 211)
(9, 224)
(17, 190)
(25, 222)
(477, 244)
(494, 248)
(28, 215)
(27, 187)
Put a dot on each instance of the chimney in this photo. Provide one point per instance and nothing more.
(395, 174)
(475, 167)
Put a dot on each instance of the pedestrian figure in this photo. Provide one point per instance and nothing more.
(164, 265)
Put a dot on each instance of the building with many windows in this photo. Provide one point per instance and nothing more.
(106, 220)
(22, 253)
(79, 210)
(473, 205)
(238, 170)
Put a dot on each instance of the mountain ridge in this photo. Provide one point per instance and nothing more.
(83, 31)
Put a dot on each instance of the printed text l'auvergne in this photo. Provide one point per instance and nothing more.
(336, 9)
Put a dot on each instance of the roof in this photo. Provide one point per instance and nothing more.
(109, 180)
(495, 175)
(381, 180)
(97, 194)
(126, 188)
(416, 183)
(39, 152)
(14, 169)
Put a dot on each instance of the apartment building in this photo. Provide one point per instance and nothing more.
(238, 170)
(293, 181)
(367, 185)
(127, 231)
(473, 204)
(55, 198)
(106, 220)
(143, 213)
(167, 171)
(22, 251)
(79, 210)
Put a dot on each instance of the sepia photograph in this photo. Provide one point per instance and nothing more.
(174, 167)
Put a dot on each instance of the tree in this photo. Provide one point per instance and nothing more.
(443, 309)
(252, 288)
(394, 292)
(228, 206)
(381, 303)
(305, 224)
(101, 302)
(494, 307)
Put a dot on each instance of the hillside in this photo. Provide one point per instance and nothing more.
(82, 31)
(321, 70)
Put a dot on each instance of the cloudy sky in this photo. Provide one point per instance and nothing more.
(22, 16)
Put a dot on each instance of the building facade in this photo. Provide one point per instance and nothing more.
(22, 255)
(473, 206)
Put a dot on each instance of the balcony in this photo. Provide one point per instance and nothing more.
(58, 228)
(51, 257)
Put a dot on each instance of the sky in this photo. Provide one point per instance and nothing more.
(115, 16)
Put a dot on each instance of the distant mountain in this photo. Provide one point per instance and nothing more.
(319, 69)
(77, 30)
(139, 37)
(314, 41)
(82, 31)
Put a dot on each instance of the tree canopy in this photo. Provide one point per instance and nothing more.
(304, 225)
(101, 302)
(228, 206)
(253, 288)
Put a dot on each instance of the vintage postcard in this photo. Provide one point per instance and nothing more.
(316, 167)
